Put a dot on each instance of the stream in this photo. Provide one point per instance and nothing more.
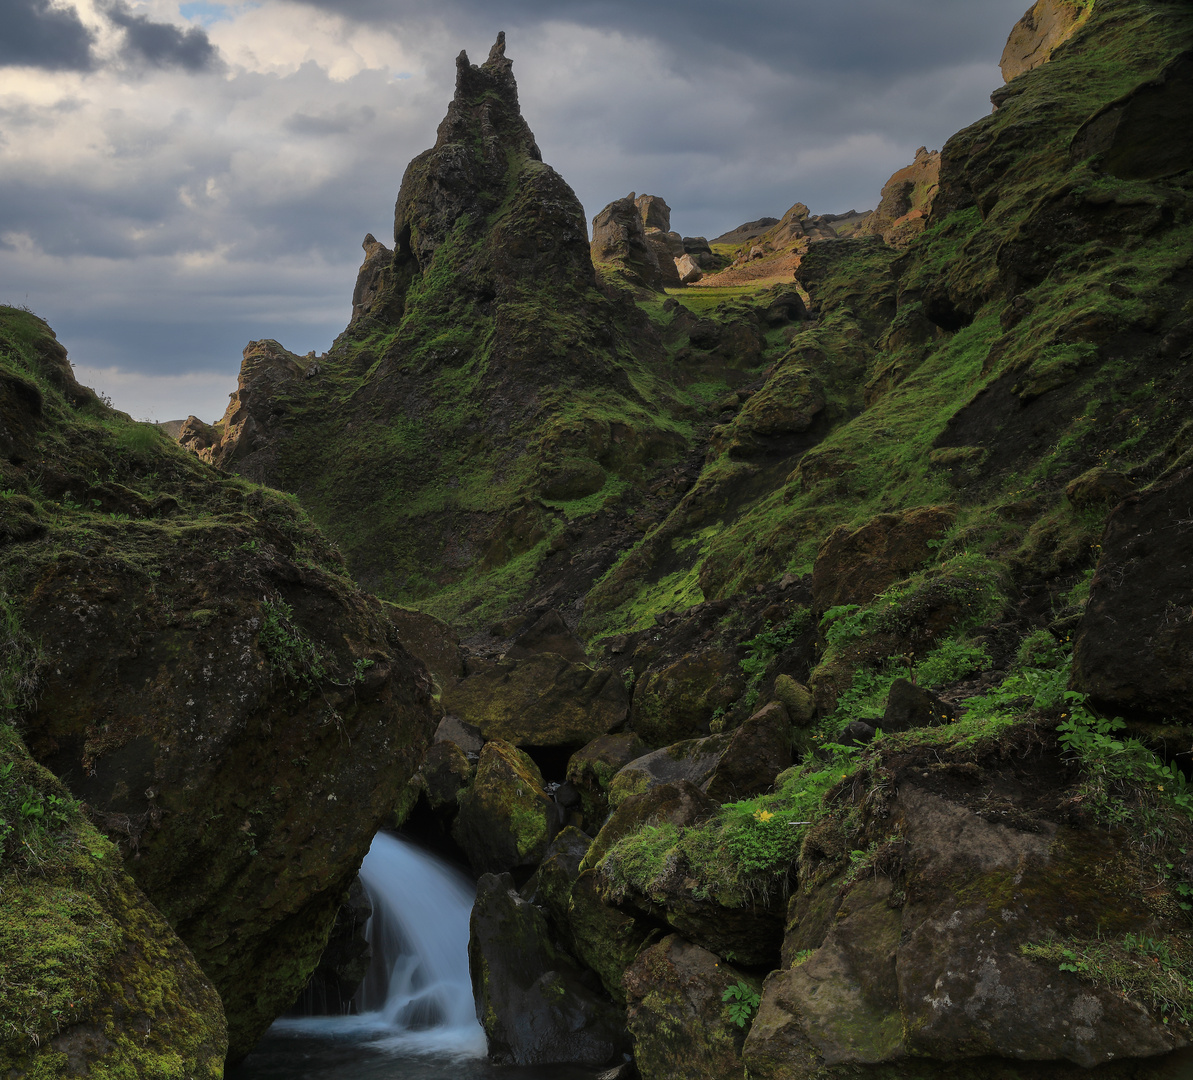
(414, 1016)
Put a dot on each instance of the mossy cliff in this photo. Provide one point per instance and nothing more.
(486, 393)
(186, 653)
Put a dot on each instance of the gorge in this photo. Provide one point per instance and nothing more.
(798, 658)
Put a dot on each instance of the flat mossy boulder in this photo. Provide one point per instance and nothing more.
(506, 819)
(786, 407)
(854, 565)
(531, 998)
(677, 1015)
(591, 768)
(541, 700)
(677, 699)
(93, 980)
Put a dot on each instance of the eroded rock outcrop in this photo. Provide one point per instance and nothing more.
(906, 201)
(235, 713)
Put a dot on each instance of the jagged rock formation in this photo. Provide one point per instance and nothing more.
(202, 670)
(906, 201)
(484, 378)
(619, 241)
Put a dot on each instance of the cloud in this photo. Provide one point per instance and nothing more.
(161, 44)
(39, 35)
(160, 397)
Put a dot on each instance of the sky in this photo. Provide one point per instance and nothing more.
(177, 179)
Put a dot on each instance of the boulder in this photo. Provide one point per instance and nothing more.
(466, 737)
(606, 938)
(531, 998)
(542, 699)
(506, 819)
(548, 634)
(678, 698)
(756, 753)
(679, 803)
(909, 706)
(551, 885)
(677, 1018)
(434, 642)
(1098, 486)
(854, 565)
(785, 408)
(668, 249)
(1133, 649)
(937, 970)
(688, 270)
(445, 773)
(593, 766)
(619, 240)
(692, 761)
(797, 699)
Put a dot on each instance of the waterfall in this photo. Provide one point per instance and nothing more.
(417, 995)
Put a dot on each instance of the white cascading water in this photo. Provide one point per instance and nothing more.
(417, 996)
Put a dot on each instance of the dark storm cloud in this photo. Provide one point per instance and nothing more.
(875, 37)
(163, 45)
(34, 34)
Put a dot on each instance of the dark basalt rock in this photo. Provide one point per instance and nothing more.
(1134, 646)
(532, 999)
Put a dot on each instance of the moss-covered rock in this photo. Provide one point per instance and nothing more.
(606, 939)
(506, 819)
(677, 699)
(539, 700)
(593, 766)
(207, 680)
(93, 979)
(677, 1017)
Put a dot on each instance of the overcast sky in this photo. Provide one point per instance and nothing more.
(179, 178)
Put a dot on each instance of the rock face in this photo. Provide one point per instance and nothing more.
(95, 980)
(531, 999)
(205, 668)
(906, 201)
(1133, 650)
(1045, 26)
(619, 240)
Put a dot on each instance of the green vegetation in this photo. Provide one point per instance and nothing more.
(1158, 974)
(741, 1002)
(747, 853)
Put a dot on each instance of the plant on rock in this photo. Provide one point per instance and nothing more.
(741, 1002)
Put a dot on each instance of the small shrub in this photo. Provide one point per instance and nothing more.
(741, 1002)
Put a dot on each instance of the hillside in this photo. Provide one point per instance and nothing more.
(810, 651)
